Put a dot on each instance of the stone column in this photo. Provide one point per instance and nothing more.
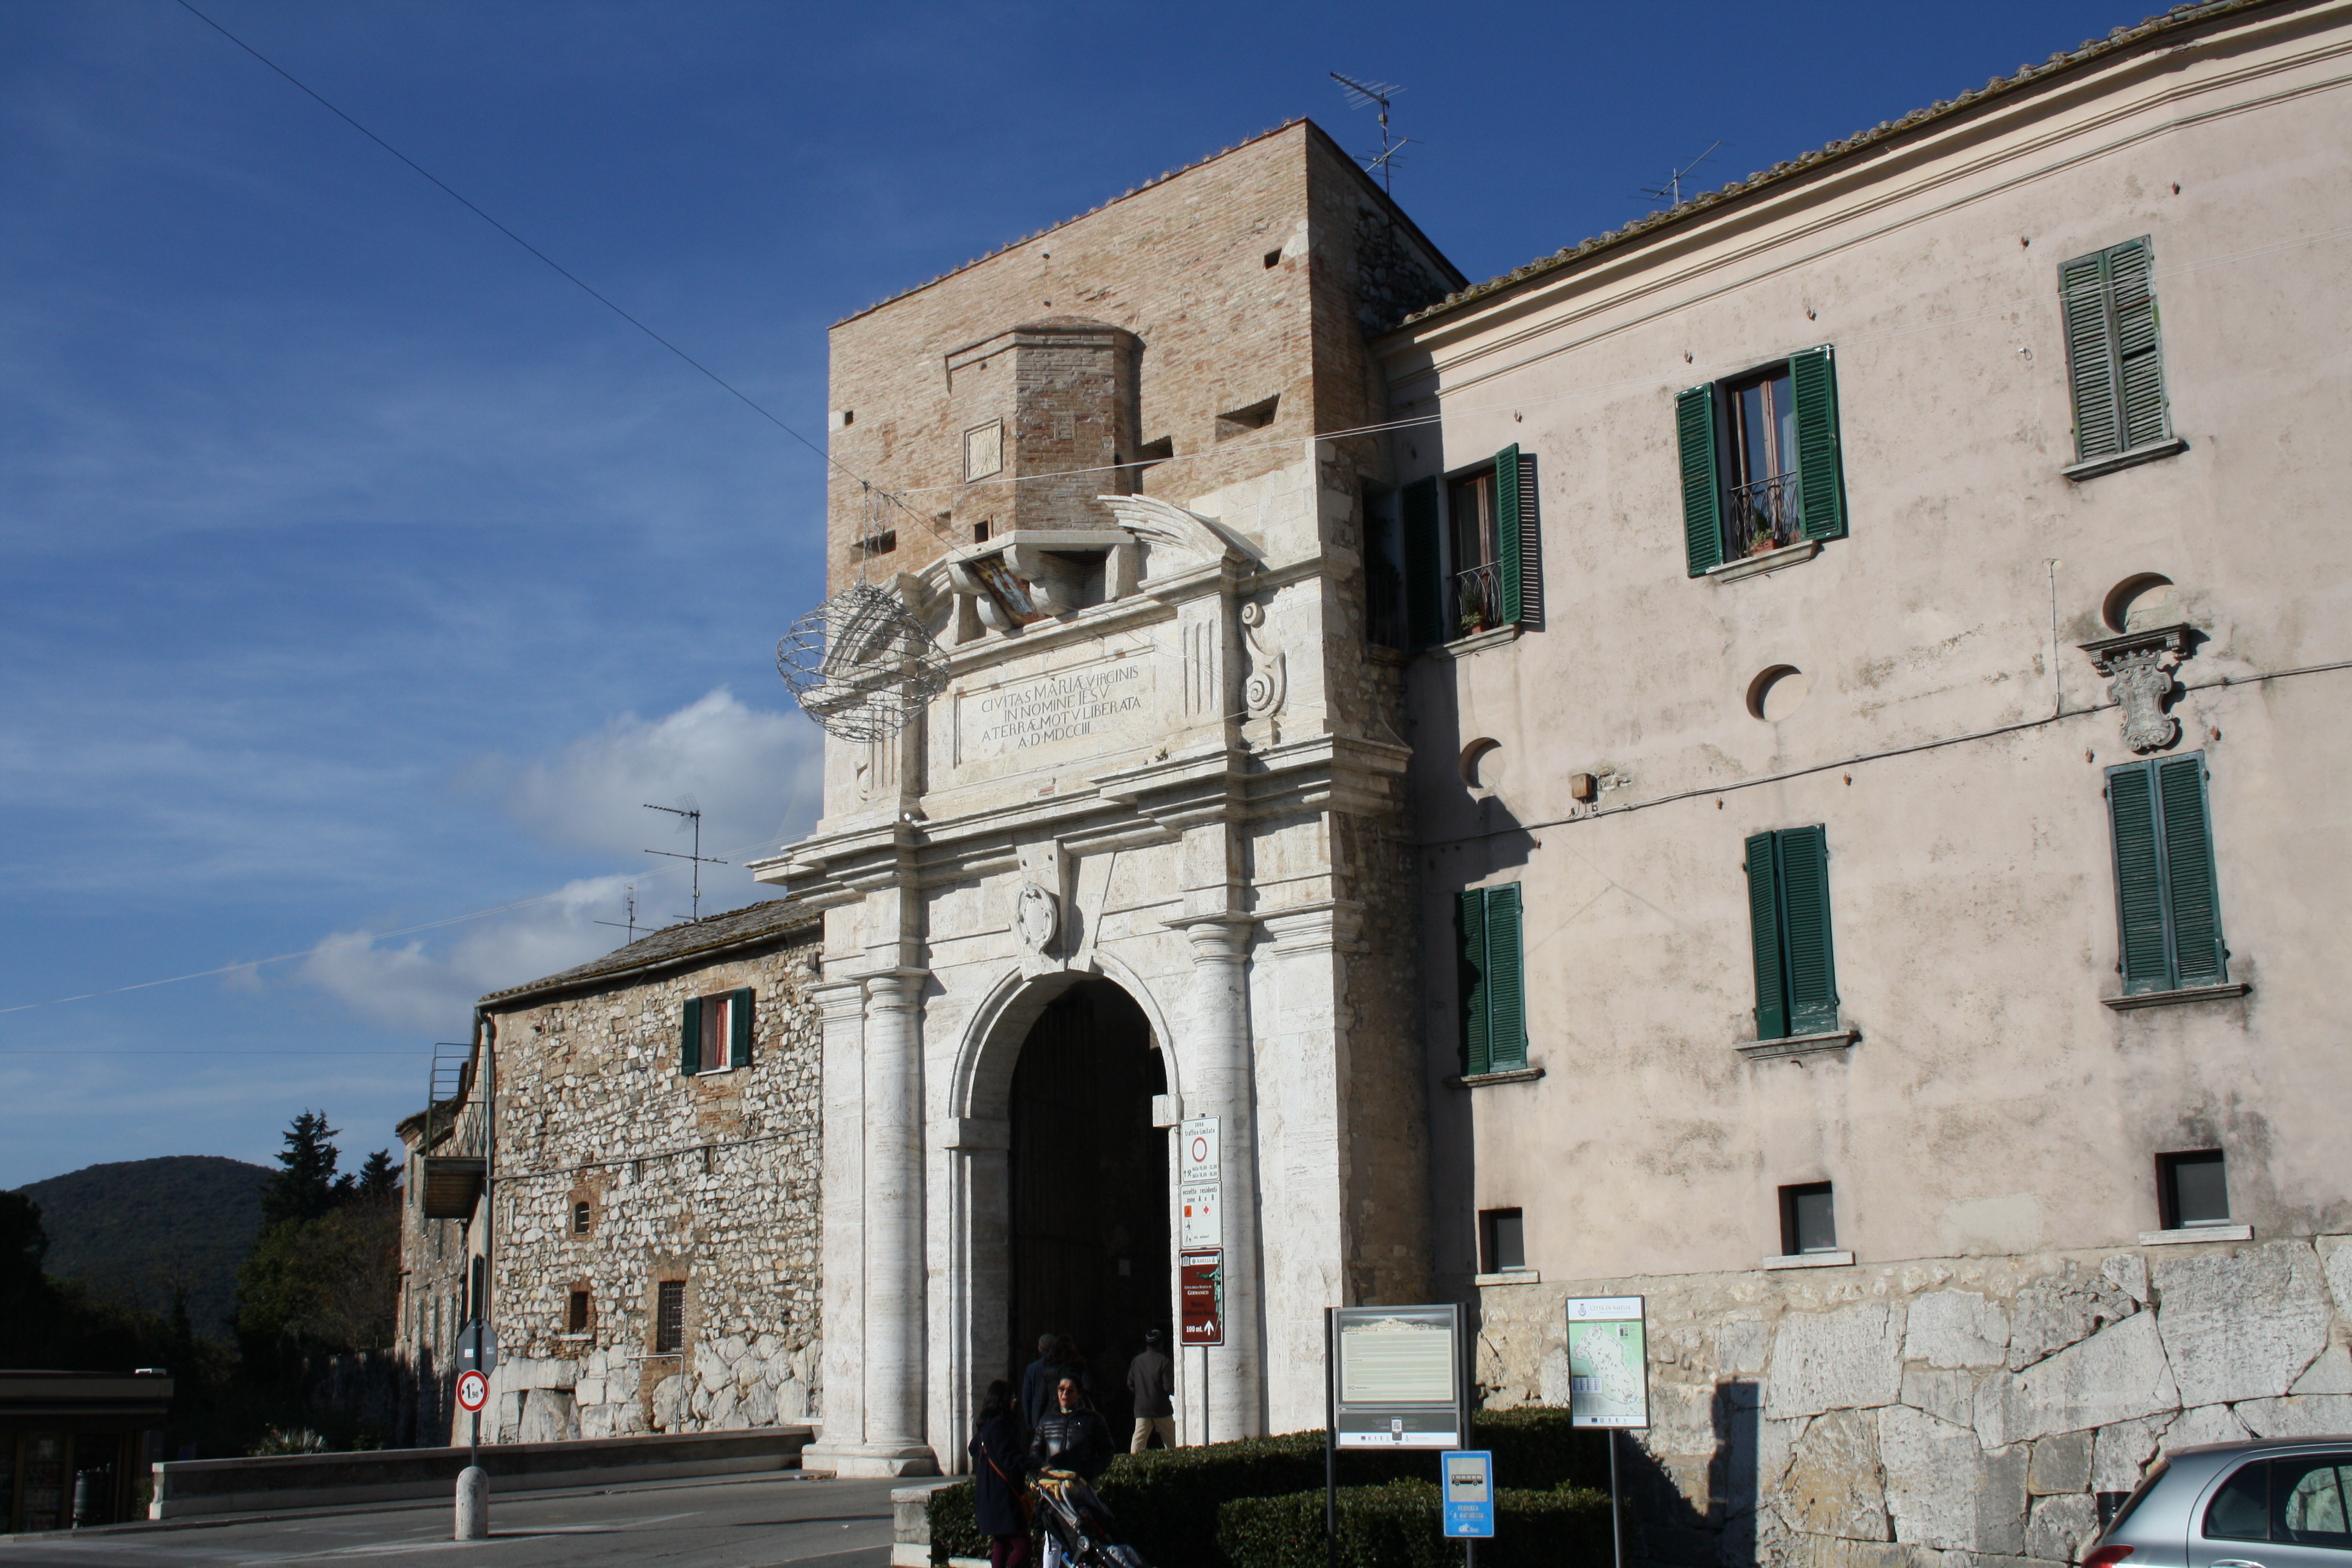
(841, 1415)
(1220, 1084)
(894, 1222)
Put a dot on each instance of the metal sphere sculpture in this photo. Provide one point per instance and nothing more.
(860, 664)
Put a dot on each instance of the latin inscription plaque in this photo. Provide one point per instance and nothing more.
(1103, 705)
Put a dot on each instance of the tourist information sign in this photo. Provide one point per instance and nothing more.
(1397, 1381)
(1608, 1363)
(1201, 1298)
(1468, 1486)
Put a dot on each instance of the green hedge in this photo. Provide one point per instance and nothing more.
(1396, 1526)
(1166, 1501)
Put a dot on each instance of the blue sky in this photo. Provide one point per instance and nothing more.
(359, 574)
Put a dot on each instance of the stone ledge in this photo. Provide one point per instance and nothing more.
(1770, 561)
(2169, 447)
(1796, 1045)
(1811, 1261)
(1508, 1277)
(1461, 648)
(2183, 1237)
(2176, 998)
(1487, 1079)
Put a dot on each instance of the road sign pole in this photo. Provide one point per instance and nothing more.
(1616, 1512)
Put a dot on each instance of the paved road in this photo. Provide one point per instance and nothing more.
(748, 1523)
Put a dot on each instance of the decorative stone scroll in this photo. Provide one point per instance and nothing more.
(2138, 667)
(1263, 692)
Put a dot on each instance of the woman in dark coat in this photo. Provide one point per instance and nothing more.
(999, 1465)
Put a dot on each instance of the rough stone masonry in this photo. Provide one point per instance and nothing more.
(618, 1174)
(1966, 1405)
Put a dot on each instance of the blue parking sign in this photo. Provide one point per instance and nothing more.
(1467, 1481)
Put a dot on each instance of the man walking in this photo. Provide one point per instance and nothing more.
(1151, 1382)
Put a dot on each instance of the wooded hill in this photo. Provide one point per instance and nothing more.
(133, 1230)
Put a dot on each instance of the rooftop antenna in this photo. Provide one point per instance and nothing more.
(688, 814)
(630, 900)
(1361, 93)
(1670, 189)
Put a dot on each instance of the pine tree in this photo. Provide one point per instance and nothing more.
(306, 1188)
(379, 1178)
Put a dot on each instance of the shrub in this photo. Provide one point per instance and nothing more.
(1166, 1501)
(1396, 1526)
(955, 1529)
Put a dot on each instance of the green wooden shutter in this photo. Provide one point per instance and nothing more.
(1530, 545)
(2092, 372)
(1507, 530)
(2139, 880)
(1821, 464)
(689, 1040)
(739, 1028)
(1424, 587)
(2139, 364)
(1805, 928)
(1470, 919)
(1702, 491)
(1764, 922)
(2198, 957)
(1506, 1005)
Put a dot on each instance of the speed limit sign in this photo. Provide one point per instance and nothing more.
(473, 1391)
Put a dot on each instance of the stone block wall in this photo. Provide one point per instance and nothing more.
(1890, 1414)
(711, 1179)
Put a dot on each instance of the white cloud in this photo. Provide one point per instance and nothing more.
(755, 774)
(414, 986)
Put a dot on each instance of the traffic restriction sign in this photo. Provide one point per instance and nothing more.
(473, 1392)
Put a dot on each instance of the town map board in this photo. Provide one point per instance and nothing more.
(1608, 1363)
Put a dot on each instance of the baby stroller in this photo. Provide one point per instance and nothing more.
(1078, 1526)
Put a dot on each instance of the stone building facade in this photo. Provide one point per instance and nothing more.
(1883, 897)
(440, 1251)
(1700, 768)
(652, 1206)
(1120, 873)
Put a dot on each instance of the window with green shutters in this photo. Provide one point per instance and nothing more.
(2115, 362)
(1493, 988)
(2168, 909)
(1763, 466)
(1788, 919)
(715, 1032)
(1471, 550)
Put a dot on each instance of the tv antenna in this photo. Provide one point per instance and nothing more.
(687, 814)
(1361, 93)
(1670, 189)
(630, 901)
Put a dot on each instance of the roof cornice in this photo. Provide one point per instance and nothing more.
(1837, 155)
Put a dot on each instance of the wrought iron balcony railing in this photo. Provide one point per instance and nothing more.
(1474, 601)
(1763, 516)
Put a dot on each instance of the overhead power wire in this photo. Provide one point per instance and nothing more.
(373, 937)
(558, 267)
(894, 498)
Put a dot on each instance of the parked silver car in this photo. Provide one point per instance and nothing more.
(2285, 1503)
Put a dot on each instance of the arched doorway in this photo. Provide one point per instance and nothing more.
(1089, 1176)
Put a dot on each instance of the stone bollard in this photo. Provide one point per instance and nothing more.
(473, 1504)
